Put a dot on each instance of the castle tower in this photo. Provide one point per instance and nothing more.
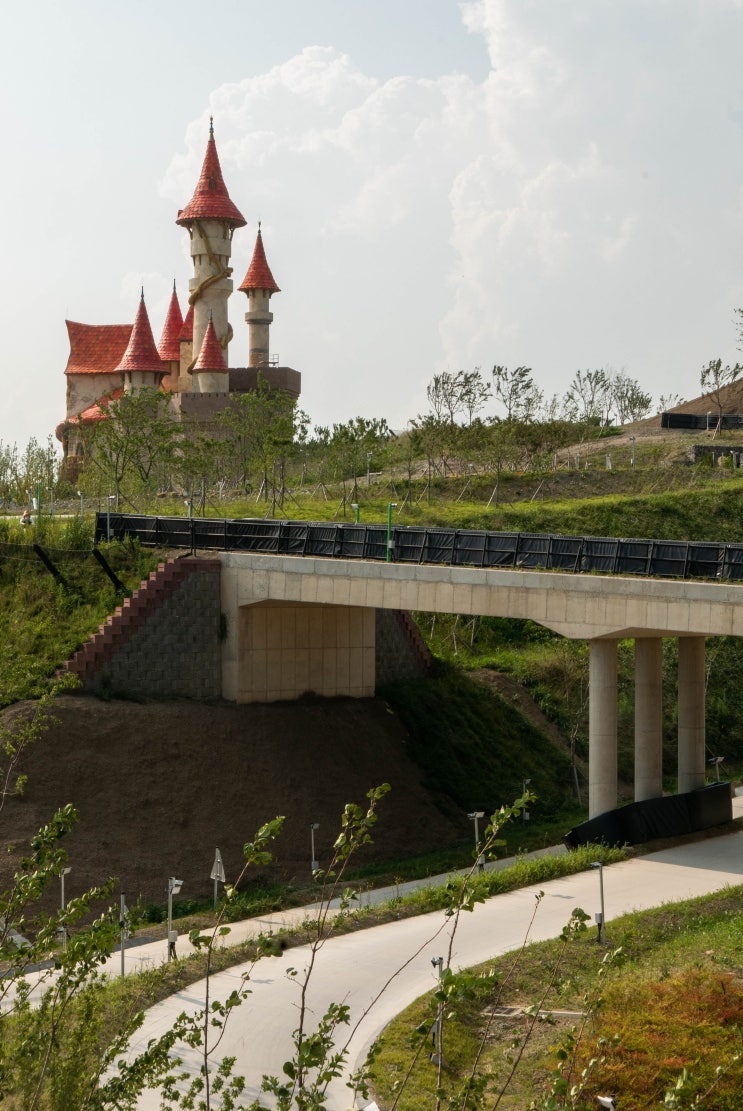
(169, 347)
(141, 364)
(258, 285)
(210, 373)
(211, 219)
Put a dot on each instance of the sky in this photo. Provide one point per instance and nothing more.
(442, 185)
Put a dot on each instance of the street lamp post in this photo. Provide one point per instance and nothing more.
(357, 510)
(632, 441)
(436, 1056)
(391, 505)
(81, 496)
(124, 928)
(217, 873)
(51, 501)
(174, 887)
(368, 468)
(109, 499)
(601, 934)
(65, 872)
(475, 816)
(313, 827)
(525, 813)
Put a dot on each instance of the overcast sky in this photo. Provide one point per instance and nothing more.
(442, 185)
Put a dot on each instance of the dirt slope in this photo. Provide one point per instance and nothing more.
(160, 785)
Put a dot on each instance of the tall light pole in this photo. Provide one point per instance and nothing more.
(217, 873)
(391, 505)
(313, 827)
(81, 496)
(174, 887)
(632, 441)
(600, 916)
(124, 928)
(525, 813)
(51, 501)
(109, 499)
(436, 1056)
(368, 468)
(357, 510)
(475, 816)
(65, 872)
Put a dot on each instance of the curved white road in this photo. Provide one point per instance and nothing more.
(355, 968)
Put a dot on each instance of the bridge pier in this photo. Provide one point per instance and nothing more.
(648, 718)
(602, 720)
(691, 680)
(602, 727)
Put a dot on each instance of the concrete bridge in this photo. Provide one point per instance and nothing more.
(297, 623)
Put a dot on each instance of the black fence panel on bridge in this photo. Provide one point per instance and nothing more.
(669, 816)
(455, 547)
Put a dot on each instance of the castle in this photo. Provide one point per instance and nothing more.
(191, 361)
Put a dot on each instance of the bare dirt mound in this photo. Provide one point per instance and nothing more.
(160, 785)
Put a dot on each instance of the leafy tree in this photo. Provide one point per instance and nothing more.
(668, 401)
(714, 379)
(260, 429)
(452, 395)
(588, 397)
(134, 446)
(518, 392)
(348, 445)
(629, 399)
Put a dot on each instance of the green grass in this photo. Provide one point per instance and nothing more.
(44, 621)
(670, 997)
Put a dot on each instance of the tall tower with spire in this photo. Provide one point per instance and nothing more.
(211, 218)
(258, 285)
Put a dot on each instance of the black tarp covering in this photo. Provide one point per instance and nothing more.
(670, 816)
(456, 547)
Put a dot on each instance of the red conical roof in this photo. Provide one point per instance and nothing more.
(211, 201)
(141, 353)
(169, 347)
(211, 356)
(186, 334)
(259, 274)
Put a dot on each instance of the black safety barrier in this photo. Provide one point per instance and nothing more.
(670, 816)
(702, 421)
(677, 559)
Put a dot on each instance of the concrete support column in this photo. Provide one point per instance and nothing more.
(602, 727)
(691, 696)
(648, 718)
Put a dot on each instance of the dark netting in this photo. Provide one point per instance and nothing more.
(533, 550)
(565, 552)
(252, 535)
(293, 538)
(174, 532)
(669, 558)
(501, 549)
(705, 561)
(352, 541)
(599, 554)
(323, 540)
(209, 534)
(633, 557)
(410, 545)
(469, 549)
(732, 564)
(376, 541)
(439, 545)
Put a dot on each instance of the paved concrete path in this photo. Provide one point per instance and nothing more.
(379, 971)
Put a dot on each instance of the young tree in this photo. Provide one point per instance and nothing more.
(588, 397)
(629, 399)
(715, 379)
(133, 446)
(518, 392)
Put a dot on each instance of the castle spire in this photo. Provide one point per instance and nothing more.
(169, 347)
(259, 285)
(141, 364)
(211, 219)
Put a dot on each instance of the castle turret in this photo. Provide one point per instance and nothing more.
(210, 373)
(258, 285)
(211, 219)
(141, 364)
(169, 347)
